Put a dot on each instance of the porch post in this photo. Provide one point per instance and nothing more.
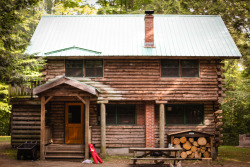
(162, 125)
(103, 130)
(42, 130)
(87, 127)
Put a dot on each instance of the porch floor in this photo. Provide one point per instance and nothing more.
(64, 151)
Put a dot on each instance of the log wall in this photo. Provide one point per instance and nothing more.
(25, 121)
(135, 79)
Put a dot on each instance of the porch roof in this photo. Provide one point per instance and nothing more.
(65, 80)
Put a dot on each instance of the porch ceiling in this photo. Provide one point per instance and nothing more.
(65, 80)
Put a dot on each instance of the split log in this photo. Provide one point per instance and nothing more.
(177, 146)
(195, 143)
(191, 155)
(191, 139)
(183, 155)
(202, 141)
(199, 149)
(187, 145)
(176, 141)
(183, 140)
(202, 150)
(208, 145)
(209, 149)
(197, 154)
(206, 154)
(189, 152)
(193, 148)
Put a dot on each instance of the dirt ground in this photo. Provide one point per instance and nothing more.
(9, 160)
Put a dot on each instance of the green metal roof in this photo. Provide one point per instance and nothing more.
(123, 35)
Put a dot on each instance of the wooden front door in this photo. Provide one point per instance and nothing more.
(74, 123)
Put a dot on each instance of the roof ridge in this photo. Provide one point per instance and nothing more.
(132, 15)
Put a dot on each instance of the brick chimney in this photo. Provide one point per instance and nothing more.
(149, 29)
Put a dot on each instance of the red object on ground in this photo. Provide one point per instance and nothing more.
(96, 158)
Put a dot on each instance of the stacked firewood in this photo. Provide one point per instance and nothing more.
(193, 147)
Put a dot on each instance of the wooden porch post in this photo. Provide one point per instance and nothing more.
(162, 125)
(87, 100)
(42, 130)
(103, 130)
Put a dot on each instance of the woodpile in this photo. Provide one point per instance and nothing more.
(193, 147)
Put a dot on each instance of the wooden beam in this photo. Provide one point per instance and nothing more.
(161, 102)
(80, 98)
(42, 131)
(87, 100)
(103, 130)
(48, 99)
(162, 125)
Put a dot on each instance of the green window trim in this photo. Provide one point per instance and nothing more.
(184, 110)
(116, 115)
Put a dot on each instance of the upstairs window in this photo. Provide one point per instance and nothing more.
(180, 68)
(184, 114)
(189, 68)
(93, 68)
(170, 68)
(74, 68)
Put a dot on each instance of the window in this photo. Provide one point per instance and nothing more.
(74, 68)
(170, 68)
(93, 68)
(189, 68)
(184, 113)
(180, 68)
(119, 114)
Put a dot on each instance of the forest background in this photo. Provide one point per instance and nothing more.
(19, 18)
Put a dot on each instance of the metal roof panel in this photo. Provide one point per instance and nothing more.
(123, 35)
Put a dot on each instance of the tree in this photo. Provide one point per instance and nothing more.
(15, 67)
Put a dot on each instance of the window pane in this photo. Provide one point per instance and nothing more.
(194, 114)
(74, 68)
(74, 72)
(170, 63)
(74, 114)
(190, 72)
(170, 72)
(170, 68)
(110, 114)
(126, 114)
(93, 68)
(175, 114)
(189, 63)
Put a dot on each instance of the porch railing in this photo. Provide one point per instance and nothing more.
(24, 90)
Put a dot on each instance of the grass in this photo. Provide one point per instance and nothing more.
(4, 138)
(233, 154)
(11, 153)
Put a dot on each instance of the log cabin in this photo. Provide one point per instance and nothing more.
(120, 81)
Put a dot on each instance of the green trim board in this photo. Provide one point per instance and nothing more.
(64, 51)
(180, 113)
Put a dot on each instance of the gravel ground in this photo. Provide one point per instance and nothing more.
(7, 161)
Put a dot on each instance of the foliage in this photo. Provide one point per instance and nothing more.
(68, 7)
(17, 23)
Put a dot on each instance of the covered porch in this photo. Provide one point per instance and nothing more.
(65, 108)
